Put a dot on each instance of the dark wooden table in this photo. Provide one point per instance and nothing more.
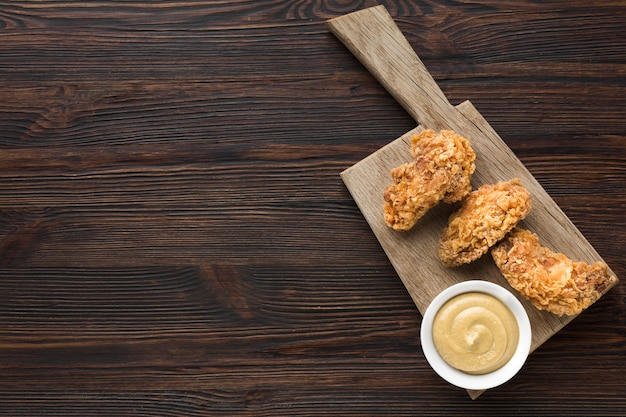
(175, 238)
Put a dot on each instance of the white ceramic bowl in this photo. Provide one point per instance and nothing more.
(462, 379)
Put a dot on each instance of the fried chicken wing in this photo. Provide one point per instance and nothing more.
(441, 170)
(484, 217)
(550, 280)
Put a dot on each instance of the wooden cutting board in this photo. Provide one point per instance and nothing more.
(374, 38)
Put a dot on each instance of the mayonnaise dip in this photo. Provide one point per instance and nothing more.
(475, 333)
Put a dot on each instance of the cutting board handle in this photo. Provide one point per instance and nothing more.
(375, 39)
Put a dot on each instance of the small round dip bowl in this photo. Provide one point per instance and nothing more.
(467, 380)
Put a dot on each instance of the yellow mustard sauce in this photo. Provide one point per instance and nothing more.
(475, 333)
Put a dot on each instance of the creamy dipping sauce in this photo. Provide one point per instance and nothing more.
(475, 333)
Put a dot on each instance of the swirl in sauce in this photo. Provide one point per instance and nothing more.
(475, 333)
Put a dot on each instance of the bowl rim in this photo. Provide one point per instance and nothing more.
(462, 379)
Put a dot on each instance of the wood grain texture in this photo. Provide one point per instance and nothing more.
(175, 237)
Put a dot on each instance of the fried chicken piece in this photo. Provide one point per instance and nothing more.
(450, 151)
(441, 170)
(549, 280)
(484, 218)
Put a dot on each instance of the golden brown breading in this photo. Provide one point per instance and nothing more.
(484, 217)
(550, 280)
(442, 167)
(449, 151)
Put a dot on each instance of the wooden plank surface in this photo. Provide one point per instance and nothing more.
(374, 38)
(175, 238)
